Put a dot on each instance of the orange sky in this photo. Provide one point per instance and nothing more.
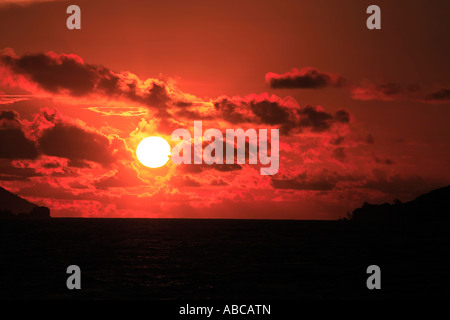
(368, 109)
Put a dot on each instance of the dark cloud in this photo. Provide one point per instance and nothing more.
(9, 115)
(55, 137)
(383, 92)
(61, 73)
(342, 116)
(270, 112)
(10, 172)
(396, 92)
(156, 96)
(232, 111)
(54, 72)
(51, 165)
(76, 144)
(274, 111)
(315, 119)
(305, 78)
(76, 163)
(440, 95)
(318, 120)
(183, 104)
(13, 142)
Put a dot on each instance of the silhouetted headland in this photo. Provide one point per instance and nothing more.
(12, 206)
(430, 207)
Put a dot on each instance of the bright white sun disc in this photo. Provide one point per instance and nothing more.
(153, 152)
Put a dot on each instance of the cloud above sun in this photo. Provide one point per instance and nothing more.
(304, 78)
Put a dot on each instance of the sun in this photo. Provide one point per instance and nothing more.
(153, 152)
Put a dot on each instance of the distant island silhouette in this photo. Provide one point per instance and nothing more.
(13, 206)
(432, 206)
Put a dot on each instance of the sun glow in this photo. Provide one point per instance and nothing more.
(153, 152)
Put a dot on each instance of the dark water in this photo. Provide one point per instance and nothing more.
(220, 259)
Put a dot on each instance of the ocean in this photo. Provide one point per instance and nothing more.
(180, 259)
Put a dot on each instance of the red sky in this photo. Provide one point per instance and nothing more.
(363, 114)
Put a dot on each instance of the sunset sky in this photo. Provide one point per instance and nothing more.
(363, 114)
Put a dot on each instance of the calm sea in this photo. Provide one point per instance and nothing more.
(219, 259)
